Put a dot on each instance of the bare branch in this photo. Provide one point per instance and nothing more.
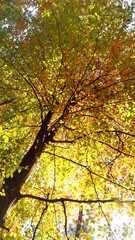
(116, 131)
(117, 82)
(64, 208)
(61, 200)
(87, 168)
(6, 102)
(107, 144)
(40, 219)
(29, 82)
(101, 206)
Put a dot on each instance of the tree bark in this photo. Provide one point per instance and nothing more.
(12, 186)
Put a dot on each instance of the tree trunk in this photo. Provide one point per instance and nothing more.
(79, 222)
(12, 186)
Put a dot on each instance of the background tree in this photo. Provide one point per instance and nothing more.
(67, 82)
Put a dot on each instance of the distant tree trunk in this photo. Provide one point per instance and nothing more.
(79, 222)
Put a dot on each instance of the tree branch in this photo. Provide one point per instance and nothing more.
(40, 219)
(116, 131)
(61, 200)
(87, 168)
(64, 208)
(109, 225)
(6, 102)
(126, 154)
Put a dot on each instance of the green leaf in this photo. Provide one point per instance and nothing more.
(19, 170)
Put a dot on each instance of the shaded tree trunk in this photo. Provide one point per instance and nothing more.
(12, 186)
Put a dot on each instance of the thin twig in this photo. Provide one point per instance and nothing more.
(109, 225)
(87, 168)
(40, 219)
(64, 208)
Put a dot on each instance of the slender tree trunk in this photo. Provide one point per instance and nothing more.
(12, 186)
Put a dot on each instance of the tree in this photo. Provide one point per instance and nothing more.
(67, 82)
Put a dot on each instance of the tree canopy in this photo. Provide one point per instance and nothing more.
(67, 118)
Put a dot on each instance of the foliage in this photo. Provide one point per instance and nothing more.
(67, 88)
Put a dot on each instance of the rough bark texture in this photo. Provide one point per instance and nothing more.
(12, 186)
